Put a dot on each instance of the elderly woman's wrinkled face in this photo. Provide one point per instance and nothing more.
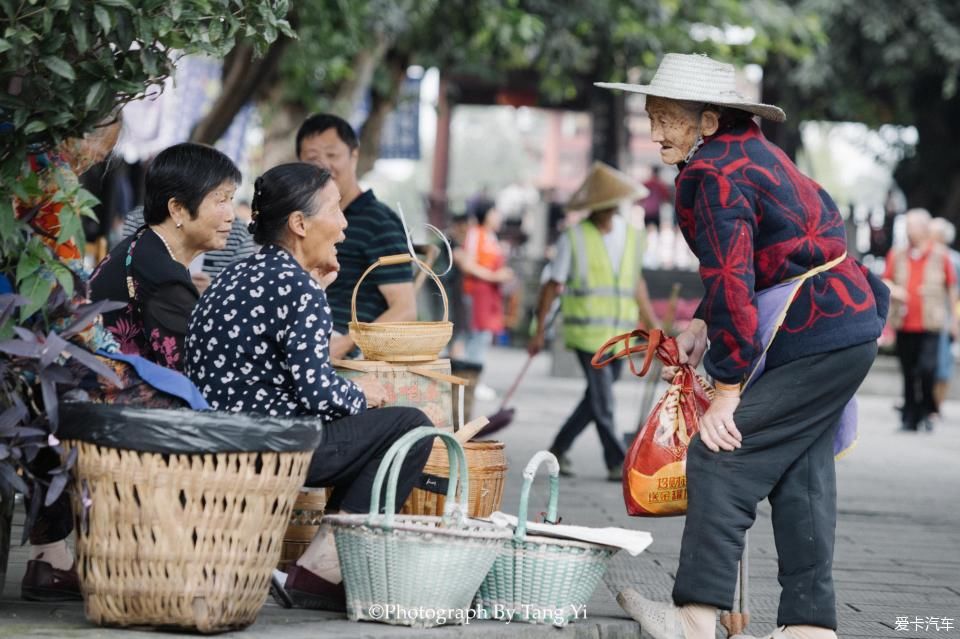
(209, 230)
(673, 126)
(324, 230)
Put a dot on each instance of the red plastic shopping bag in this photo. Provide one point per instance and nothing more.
(654, 472)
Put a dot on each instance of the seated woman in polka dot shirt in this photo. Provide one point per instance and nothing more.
(258, 342)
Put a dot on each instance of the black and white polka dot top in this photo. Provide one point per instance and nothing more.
(259, 342)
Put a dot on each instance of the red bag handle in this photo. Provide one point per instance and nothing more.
(653, 339)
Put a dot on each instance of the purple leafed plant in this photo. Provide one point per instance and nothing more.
(38, 365)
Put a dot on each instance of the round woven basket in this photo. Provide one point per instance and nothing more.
(180, 540)
(400, 341)
(304, 523)
(487, 464)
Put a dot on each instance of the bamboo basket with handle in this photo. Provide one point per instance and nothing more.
(543, 579)
(400, 341)
(398, 569)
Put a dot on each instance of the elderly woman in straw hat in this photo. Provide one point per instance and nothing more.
(782, 299)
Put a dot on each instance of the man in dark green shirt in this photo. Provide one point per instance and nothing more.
(373, 230)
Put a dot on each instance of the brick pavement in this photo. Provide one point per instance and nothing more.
(898, 544)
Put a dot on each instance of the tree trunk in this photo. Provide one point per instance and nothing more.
(243, 78)
(775, 90)
(281, 120)
(380, 107)
(607, 115)
(930, 178)
(353, 90)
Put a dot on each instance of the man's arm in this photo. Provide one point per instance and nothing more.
(401, 307)
(548, 293)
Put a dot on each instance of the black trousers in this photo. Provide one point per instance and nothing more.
(596, 406)
(53, 522)
(351, 452)
(918, 353)
(788, 419)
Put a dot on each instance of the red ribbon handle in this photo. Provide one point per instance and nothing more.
(651, 339)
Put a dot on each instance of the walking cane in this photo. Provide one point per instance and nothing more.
(736, 621)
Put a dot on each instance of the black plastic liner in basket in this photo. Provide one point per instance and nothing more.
(184, 431)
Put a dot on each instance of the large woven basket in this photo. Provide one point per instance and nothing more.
(541, 579)
(487, 463)
(304, 523)
(400, 341)
(180, 540)
(410, 570)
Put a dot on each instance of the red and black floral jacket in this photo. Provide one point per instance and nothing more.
(754, 220)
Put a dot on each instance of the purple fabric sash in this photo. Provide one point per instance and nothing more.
(771, 304)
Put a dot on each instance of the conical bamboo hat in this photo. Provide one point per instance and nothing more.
(605, 187)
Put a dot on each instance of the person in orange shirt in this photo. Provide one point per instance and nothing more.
(483, 263)
(922, 282)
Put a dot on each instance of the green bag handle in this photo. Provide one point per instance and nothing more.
(529, 472)
(393, 461)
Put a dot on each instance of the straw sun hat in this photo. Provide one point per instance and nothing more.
(604, 188)
(697, 78)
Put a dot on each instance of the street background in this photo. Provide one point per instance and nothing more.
(898, 540)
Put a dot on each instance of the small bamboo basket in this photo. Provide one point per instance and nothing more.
(543, 579)
(304, 523)
(404, 570)
(400, 341)
(488, 467)
(180, 540)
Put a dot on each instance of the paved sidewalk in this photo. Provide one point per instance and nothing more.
(898, 544)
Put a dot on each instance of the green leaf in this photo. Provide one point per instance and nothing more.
(80, 33)
(64, 277)
(36, 289)
(95, 94)
(8, 222)
(103, 17)
(4, 45)
(35, 127)
(125, 4)
(59, 66)
(28, 265)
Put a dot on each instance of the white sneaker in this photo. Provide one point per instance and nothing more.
(659, 620)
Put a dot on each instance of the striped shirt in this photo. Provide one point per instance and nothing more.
(239, 243)
(373, 231)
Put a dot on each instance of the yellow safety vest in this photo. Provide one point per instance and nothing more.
(598, 303)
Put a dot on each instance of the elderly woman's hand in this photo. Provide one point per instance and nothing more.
(324, 279)
(717, 429)
(691, 343)
(373, 390)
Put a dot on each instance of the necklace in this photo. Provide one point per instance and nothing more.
(162, 239)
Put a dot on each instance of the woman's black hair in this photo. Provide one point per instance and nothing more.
(480, 209)
(281, 191)
(186, 173)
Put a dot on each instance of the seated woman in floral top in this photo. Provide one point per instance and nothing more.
(188, 210)
(259, 342)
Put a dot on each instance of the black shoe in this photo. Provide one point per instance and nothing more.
(43, 582)
(615, 474)
(308, 590)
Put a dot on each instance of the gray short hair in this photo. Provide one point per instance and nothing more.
(943, 229)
